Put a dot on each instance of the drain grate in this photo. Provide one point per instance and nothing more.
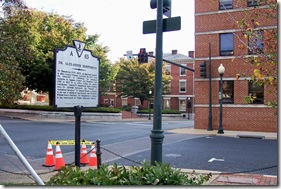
(250, 136)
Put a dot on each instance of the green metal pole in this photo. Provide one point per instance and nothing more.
(210, 124)
(220, 130)
(156, 135)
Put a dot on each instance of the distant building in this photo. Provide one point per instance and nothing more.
(181, 86)
(215, 25)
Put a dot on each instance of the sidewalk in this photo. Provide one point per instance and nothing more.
(236, 134)
(217, 179)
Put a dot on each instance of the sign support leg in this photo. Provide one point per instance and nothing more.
(77, 113)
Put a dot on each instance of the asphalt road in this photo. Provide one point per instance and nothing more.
(131, 140)
(225, 154)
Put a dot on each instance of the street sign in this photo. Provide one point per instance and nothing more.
(76, 77)
(129, 55)
(169, 24)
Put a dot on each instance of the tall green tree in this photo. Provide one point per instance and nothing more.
(135, 80)
(35, 34)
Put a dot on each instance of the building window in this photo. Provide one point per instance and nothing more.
(225, 4)
(112, 102)
(228, 92)
(168, 69)
(124, 102)
(106, 103)
(182, 105)
(226, 44)
(137, 102)
(182, 71)
(182, 86)
(167, 103)
(255, 43)
(252, 3)
(256, 92)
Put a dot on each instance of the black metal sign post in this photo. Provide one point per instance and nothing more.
(77, 114)
(76, 83)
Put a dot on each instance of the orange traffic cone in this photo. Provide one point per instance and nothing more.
(93, 157)
(50, 159)
(59, 159)
(83, 155)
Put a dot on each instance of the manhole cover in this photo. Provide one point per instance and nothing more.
(173, 155)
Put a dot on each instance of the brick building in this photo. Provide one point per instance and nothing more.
(181, 86)
(182, 83)
(215, 25)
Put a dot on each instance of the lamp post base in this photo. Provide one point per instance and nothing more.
(156, 137)
(220, 132)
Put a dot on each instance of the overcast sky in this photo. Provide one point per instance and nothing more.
(119, 23)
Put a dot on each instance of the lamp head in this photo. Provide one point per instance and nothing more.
(221, 69)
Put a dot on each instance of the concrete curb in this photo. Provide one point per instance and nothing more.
(227, 133)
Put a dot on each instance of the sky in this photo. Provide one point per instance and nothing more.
(120, 23)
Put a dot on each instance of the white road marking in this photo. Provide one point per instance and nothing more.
(214, 159)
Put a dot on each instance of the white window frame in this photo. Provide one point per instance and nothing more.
(182, 69)
(167, 103)
(137, 102)
(112, 102)
(124, 101)
(181, 81)
(182, 106)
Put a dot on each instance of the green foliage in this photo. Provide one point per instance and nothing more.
(263, 60)
(29, 37)
(160, 174)
(272, 103)
(11, 80)
(134, 79)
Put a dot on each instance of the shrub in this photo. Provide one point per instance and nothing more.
(140, 107)
(51, 108)
(160, 174)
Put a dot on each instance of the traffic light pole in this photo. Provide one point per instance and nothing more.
(170, 62)
(210, 117)
(176, 64)
(156, 135)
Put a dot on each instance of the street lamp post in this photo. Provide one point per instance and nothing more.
(221, 70)
(149, 105)
(188, 107)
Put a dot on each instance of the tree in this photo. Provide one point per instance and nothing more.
(135, 80)
(107, 71)
(11, 78)
(11, 81)
(35, 35)
(260, 43)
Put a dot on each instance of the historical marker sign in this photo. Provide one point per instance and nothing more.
(76, 77)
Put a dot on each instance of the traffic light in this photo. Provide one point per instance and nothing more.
(166, 6)
(203, 70)
(142, 56)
